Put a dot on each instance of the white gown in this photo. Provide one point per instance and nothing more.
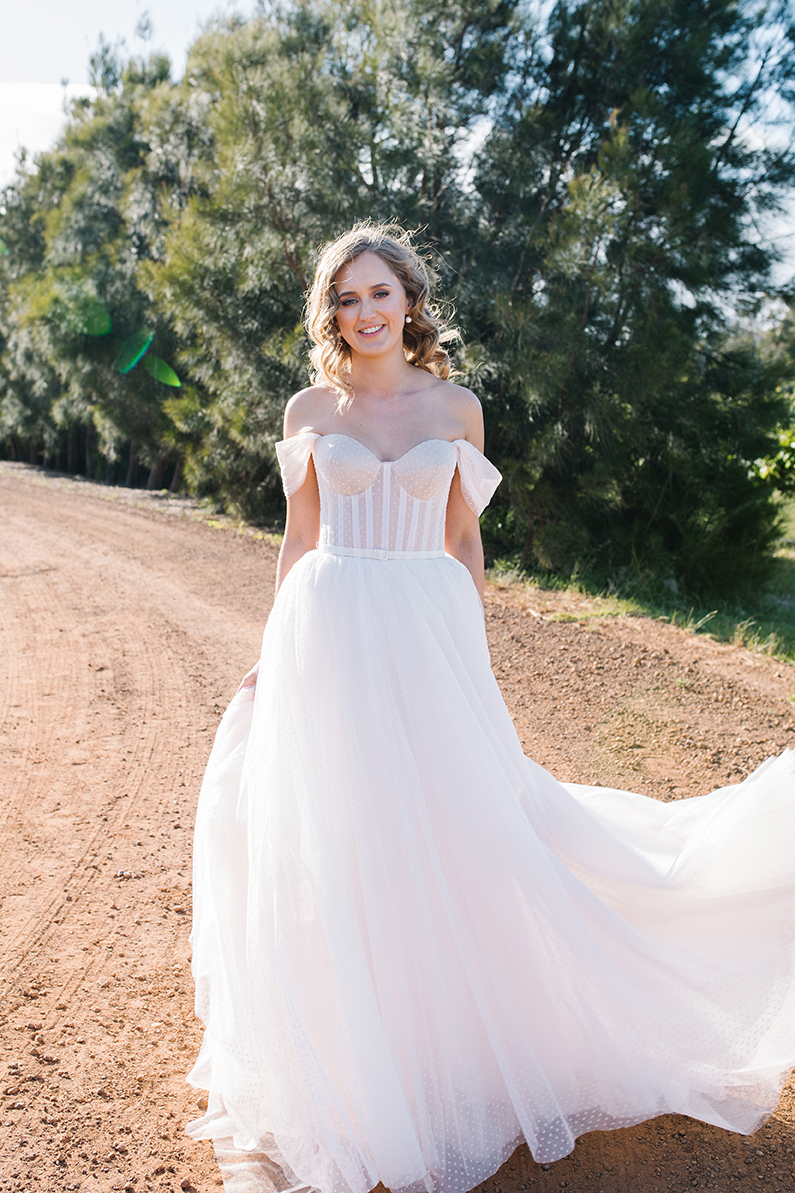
(413, 948)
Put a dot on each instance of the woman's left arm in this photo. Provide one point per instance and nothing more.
(462, 535)
(462, 527)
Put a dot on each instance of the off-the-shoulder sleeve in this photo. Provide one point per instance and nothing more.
(479, 477)
(293, 455)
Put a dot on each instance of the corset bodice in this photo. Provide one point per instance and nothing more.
(395, 506)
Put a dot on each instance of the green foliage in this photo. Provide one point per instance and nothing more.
(314, 118)
(78, 229)
(589, 177)
(763, 621)
(779, 468)
(627, 411)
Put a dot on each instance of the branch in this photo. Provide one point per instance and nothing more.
(583, 321)
(744, 108)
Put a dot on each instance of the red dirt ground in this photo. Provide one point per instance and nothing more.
(126, 620)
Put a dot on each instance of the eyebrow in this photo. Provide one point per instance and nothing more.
(377, 286)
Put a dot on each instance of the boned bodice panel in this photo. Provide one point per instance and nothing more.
(368, 504)
(396, 506)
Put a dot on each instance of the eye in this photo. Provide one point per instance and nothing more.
(382, 294)
(347, 302)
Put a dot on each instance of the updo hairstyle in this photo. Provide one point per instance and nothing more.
(422, 338)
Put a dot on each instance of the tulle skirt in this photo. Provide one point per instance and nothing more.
(414, 948)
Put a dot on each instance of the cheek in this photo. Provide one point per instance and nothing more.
(345, 322)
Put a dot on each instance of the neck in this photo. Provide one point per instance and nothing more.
(385, 376)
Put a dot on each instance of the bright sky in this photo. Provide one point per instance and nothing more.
(46, 41)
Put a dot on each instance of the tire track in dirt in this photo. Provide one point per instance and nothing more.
(123, 633)
(59, 660)
(118, 690)
(51, 638)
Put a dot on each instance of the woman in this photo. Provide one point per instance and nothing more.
(413, 948)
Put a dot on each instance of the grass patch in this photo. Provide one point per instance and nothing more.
(765, 624)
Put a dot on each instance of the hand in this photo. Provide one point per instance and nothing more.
(249, 680)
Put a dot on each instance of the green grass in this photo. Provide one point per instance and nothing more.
(765, 623)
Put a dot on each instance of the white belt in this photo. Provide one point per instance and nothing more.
(378, 553)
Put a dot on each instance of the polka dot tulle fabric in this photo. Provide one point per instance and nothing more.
(413, 947)
(398, 505)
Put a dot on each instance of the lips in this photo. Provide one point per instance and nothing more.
(371, 331)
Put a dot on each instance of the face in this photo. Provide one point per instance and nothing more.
(373, 306)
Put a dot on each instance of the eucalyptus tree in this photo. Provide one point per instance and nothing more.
(622, 183)
(595, 246)
(76, 229)
(318, 115)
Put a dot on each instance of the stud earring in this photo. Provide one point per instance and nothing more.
(408, 318)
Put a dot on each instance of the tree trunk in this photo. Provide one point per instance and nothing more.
(528, 540)
(176, 479)
(89, 429)
(33, 449)
(156, 473)
(71, 452)
(132, 467)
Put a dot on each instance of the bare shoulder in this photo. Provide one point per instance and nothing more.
(465, 410)
(463, 399)
(307, 408)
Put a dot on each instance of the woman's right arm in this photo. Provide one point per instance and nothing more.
(302, 527)
(301, 532)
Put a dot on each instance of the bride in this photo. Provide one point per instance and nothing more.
(413, 948)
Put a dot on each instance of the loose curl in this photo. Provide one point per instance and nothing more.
(422, 338)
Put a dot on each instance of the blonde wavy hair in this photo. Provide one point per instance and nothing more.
(422, 338)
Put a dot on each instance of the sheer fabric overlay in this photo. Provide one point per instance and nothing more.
(397, 505)
(413, 948)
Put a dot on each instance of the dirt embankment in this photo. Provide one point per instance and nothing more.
(124, 630)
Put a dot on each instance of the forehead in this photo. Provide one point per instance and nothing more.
(367, 270)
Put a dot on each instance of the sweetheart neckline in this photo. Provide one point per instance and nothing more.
(422, 442)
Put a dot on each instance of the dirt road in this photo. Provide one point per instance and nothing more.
(125, 624)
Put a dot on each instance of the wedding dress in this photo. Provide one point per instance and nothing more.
(413, 947)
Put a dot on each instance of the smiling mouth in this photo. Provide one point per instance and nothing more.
(371, 331)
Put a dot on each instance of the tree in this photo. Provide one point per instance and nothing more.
(591, 179)
(76, 231)
(620, 189)
(318, 116)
